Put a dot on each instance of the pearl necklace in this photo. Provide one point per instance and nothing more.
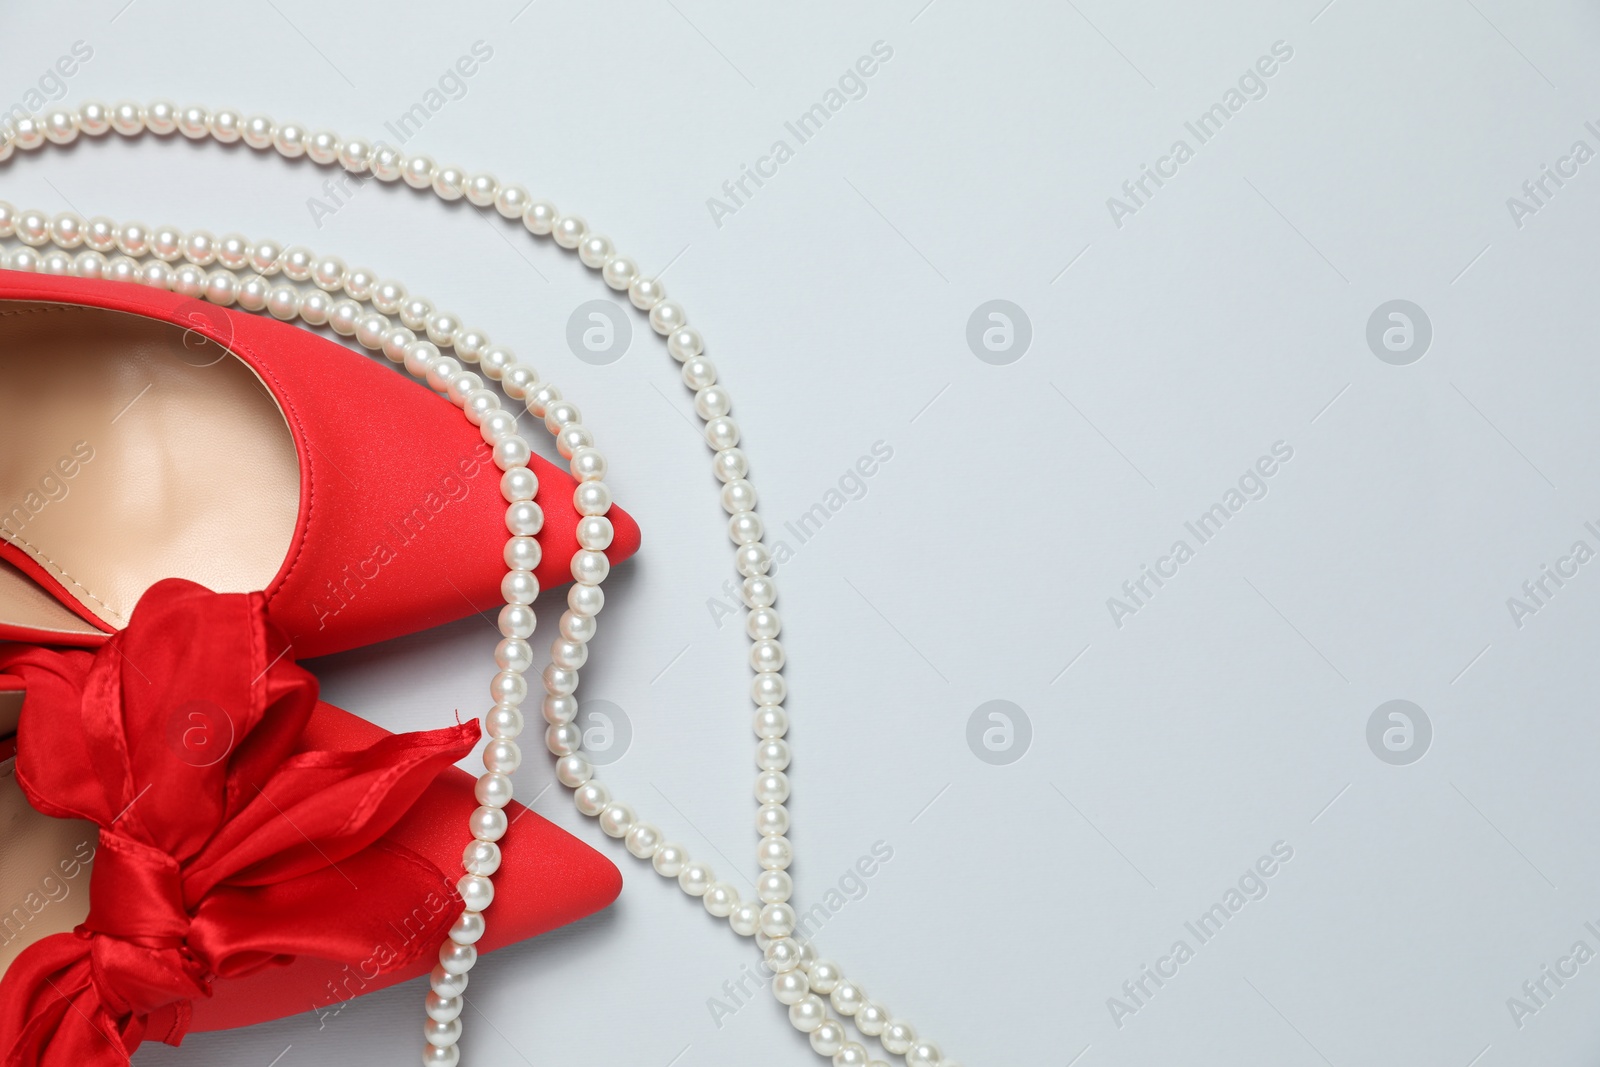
(242, 273)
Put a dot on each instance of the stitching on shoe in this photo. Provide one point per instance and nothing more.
(56, 569)
(42, 307)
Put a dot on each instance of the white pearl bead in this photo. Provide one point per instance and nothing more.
(283, 302)
(523, 552)
(502, 756)
(94, 118)
(188, 280)
(685, 344)
(871, 1018)
(509, 449)
(722, 433)
(569, 231)
(774, 853)
(575, 627)
(745, 919)
(127, 118)
(100, 233)
(594, 250)
(590, 568)
(560, 680)
(670, 860)
(730, 464)
(586, 600)
(763, 624)
(517, 621)
(523, 517)
(853, 1054)
(696, 878)
(504, 720)
(847, 998)
(646, 293)
(91, 264)
(540, 399)
(591, 798)
(442, 1009)
(595, 532)
(488, 824)
(616, 820)
(619, 272)
(258, 131)
(573, 771)
(592, 498)
(767, 655)
(772, 820)
(782, 955)
(667, 317)
(316, 307)
(441, 1057)
(828, 1038)
(773, 755)
(563, 739)
(588, 465)
(559, 709)
(777, 920)
(481, 857)
(290, 140)
(807, 1014)
(517, 380)
(355, 156)
(161, 117)
(772, 787)
(253, 291)
(387, 163)
(768, 687)
(570, 654)
(493, 790)
(61, 127)
(923, 1054)
(791, 987)
(511, 201)
(774, 887)
(450, 183)
(442, 1035)
(419, 172)
(540, 217)
(898, 1036)
(759, 591)
(698, 373)
(322, 148)
(720, 899)
(457, 959)
(481, 189)
(825, 975)
(508, 687)
(446, 984)
(519, 587)
(477, 892)
(745, 528)
(643, 840)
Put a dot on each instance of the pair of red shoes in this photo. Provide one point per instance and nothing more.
(189, 839)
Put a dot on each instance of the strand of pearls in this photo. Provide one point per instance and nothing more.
(242, 275)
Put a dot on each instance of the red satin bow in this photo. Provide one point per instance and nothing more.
(227, 843)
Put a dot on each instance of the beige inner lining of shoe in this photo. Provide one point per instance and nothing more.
(132, 450)
(44, 873)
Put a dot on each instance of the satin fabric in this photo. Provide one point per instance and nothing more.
(228, 843)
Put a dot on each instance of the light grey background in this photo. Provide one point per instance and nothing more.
(1228, 313)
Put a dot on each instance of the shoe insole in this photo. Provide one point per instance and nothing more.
(132, 450)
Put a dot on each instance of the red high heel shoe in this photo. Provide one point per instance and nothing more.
(195, 842)
(146, 435)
